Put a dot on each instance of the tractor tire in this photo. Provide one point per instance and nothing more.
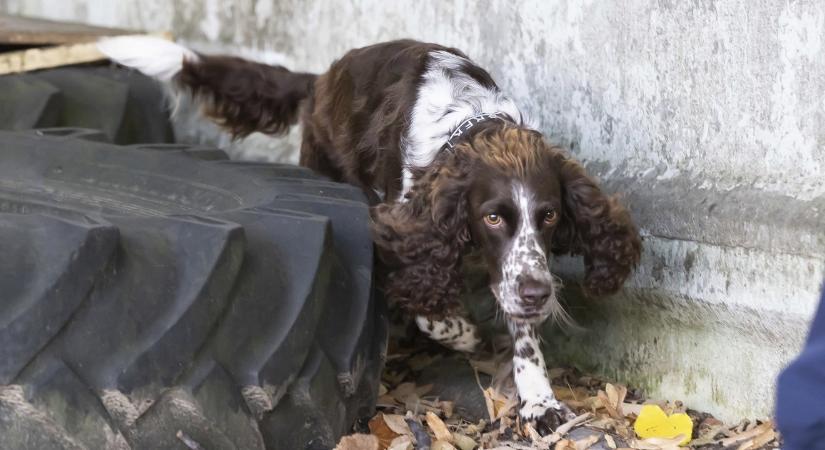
(124, 105)
(163, 297)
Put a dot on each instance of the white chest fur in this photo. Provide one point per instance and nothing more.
(447, 96)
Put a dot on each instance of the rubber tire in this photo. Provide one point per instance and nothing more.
(152, 297)
(126, 106)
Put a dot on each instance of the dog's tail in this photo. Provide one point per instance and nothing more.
(242, 96)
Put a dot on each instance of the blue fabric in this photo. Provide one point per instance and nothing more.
(800, 402)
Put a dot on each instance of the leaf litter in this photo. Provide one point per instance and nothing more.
(409, 417)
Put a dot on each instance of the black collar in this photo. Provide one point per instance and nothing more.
(469, 123)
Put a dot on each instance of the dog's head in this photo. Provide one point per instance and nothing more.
(518, 199)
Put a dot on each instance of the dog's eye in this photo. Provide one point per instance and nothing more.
(492, 220)
(550, 217)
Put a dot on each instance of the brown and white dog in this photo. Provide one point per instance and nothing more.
(451, 165)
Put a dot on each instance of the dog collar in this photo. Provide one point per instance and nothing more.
(469, 123)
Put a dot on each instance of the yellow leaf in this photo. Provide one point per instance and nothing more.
(654, 423)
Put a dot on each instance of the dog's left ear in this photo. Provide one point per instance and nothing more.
(596, 226)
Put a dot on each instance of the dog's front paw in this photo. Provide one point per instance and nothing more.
(546, 416)
(455, 332)
(467, 340)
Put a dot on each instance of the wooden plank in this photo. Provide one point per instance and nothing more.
(56, 56)
(30, 31)
(43, 58)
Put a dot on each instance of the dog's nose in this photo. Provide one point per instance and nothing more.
(534, 292)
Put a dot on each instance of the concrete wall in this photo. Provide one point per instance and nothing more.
(708, 115)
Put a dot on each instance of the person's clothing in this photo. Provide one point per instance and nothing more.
(800, 403)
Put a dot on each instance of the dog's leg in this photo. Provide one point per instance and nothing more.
(538, 404)
(454, 332)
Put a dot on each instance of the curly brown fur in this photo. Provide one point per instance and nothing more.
(422, 240)
(356, 117)
(244, 96)
(594, 225)
(599, 228)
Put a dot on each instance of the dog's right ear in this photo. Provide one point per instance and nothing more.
(422, 239)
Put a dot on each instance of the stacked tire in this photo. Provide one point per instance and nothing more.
(162, 296)
(124, 106)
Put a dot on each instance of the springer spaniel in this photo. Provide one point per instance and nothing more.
(450, 163)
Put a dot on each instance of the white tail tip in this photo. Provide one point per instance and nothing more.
(156, 57)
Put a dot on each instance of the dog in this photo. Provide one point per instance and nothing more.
(450, 164)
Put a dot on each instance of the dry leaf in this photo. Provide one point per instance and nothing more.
(656, 443)
(387, 400)
(397, 424)
(605, 403)
(709, 423)
(423, 390)
(758, 441)
(413, 403)
(566, 427)
(381, 430)
(402, 391)
(764, 438)
(498, 405)
(446, 407)
(531, 432)
(632, 408)
(490, 403)
(565, 444)
(616, 394)
(442, 445)
(566, 393)
(475, 428)
(358, 442)
(438, 428)
(609, 440)
(401, 443)
(463, 442)
(753, 432)
(584, 444)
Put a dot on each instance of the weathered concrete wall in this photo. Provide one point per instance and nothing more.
(708, 115)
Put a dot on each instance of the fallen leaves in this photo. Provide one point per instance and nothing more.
(381, 430)
(442, 445)
(358, 442)
(401, 443)
(438, 428)
(565, 428)
(610, 416)
(498, 405)
(463, 441)
(610, 401)
(657, 443)
(753, 438)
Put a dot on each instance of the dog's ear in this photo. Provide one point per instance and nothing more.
(596, 226)
(422, 239)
